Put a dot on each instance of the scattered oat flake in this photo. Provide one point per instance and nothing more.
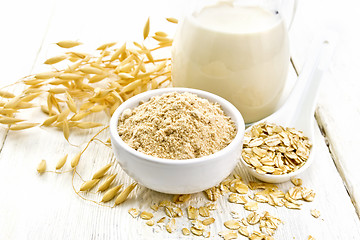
(181, 198)
(315, 213)
(146, 215)
(213, 193)
(196, 232)
(206, 234)
(237, 198)
(253, 218)
(154, 207)
(244, 222)
(164, 203)
(232, 224)
(208, 221)
(251, 206)
(134, 212)
(170, 226)
(193, 212)
(198, 224)
(161, 220)
(241, 188)
(150, 223)
(308, 194)
(291, 205)
(185, 231)
(228, 234)
(211, 206)
(244, 231)
(204, 212)
(296, 181)
(311, 237)
(257, 236)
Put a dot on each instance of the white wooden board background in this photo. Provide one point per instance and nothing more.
(45, 207)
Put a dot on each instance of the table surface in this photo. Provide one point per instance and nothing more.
(34, 206)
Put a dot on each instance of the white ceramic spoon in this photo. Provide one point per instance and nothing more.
(298, 110)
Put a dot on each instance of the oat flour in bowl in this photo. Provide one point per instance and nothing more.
(177, 126)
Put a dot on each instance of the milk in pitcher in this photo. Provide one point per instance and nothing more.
(238, 52)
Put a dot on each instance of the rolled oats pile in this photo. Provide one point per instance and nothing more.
(273, 149)
(177, 126)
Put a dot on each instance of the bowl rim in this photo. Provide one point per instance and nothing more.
(225, 105)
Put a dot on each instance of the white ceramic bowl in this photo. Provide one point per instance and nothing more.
(178, 176)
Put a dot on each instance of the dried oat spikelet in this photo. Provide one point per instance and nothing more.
(41, 167)
(146, 28)
(87, 125)
(9, 120)
(56, 59)
(172, 20)
(106, 184)
(111, 193)
(124, 194)
(106, 45)
(22, 126)
(5, 94)
(101, 172)
(68, 44)
(49, 121)
(61, 162)
(46, 75)
(66, 129)
(75, 160)
(118, 52)
(88, 185)
(70, 102)
(63, 115)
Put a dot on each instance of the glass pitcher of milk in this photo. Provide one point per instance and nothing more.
(238, 50)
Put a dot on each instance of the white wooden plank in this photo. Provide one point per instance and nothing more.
(44, 207)
(338, 112)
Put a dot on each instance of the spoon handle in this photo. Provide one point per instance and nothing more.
(301, 103)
